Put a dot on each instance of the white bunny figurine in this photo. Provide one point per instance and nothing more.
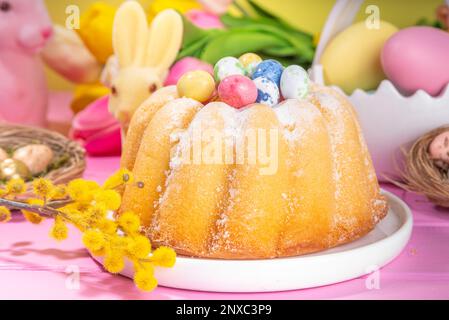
(144, 55)
(25, 27)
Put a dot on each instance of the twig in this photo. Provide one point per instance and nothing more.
(46, 211)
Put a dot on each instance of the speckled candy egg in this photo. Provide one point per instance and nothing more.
(439, 149)
(294, 82)
(228, 66)
(250, 61)
(237, 91)
(267, 91)
(270, 69)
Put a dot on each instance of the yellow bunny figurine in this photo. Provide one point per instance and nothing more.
(144, 56)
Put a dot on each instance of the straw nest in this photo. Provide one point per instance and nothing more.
(69, 157)
(423, 175)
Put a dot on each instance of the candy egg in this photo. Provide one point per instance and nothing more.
(228, 66)
(198, 85)
(267, 91)
(237, 91)
(294, 82)
(250, 61)
(270, 69)
(185, 65)
(37, 157)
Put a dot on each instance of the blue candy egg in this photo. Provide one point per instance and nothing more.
(270, 69)
(267, 91)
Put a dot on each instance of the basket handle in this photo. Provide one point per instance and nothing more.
(341, 16)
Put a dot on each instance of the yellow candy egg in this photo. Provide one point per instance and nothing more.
(250, 62)
(198, 85)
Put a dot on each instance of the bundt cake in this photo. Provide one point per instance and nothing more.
(322, 193)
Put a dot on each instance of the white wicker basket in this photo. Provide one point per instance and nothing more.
(389, 120)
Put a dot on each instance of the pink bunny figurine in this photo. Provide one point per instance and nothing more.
(25, 28)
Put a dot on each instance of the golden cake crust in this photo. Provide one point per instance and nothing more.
(323, 193)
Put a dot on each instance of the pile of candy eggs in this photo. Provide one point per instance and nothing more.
(249, 79)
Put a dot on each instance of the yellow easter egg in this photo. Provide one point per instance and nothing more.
(250, 62)
(352, 59)
(198, 85)
(249, 58)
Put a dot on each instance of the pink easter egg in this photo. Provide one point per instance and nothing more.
(417, 58)
(185, 65)
(237, 91)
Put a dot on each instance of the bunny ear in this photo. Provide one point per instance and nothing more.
(130, 34)
(165, 40)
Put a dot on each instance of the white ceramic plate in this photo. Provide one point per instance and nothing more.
(349, 261)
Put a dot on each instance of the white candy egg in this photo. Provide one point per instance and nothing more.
(228, 66)
(267, 91)
(294, 82)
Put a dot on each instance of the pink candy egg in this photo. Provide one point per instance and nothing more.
(237, 91)
(185, 65)
(417, 58)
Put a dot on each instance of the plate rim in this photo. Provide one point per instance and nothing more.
(399, 238)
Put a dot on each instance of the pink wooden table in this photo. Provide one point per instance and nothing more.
(32, 266)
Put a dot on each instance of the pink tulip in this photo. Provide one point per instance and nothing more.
(217, 7)
(204, 20)
(97, 130)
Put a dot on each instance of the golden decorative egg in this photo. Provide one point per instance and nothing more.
(37, 157)
(13, 169)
